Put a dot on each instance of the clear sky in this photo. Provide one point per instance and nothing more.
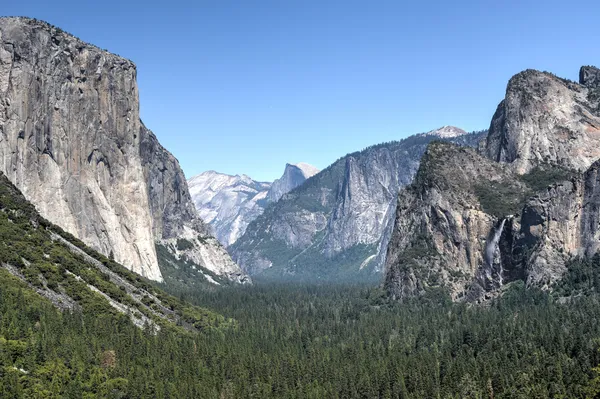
(246, 86)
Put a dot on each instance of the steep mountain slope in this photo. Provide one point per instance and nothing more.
(73, 143)
(472, 224)
(76, 324)
(55, 265)
(230, 203)
(335, 225)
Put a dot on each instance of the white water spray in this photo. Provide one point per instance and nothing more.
(490, 248)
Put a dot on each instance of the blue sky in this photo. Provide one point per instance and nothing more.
(246, 86)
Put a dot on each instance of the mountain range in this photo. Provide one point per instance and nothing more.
(335, 226)
(517, 202)
(229, 203)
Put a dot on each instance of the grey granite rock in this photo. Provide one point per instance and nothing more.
(546, 119)
(336, 225)
(230, 203)
(72, 141)
(472, 224)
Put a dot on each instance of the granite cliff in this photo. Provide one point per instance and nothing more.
(72, 141)
(519, 211)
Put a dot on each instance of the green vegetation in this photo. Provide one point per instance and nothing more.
(184, 245)
(500, 198)
(582, 278)
(50, 265)
(314, 341)
(305, 342)
(543, 176)
(180, 275)
(91, 354)
(92, 349)
(508, 198)
(349, 342)
(311, 266)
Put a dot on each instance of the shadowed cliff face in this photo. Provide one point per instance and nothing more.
(71, 140)
(472, 224)
(174, 217)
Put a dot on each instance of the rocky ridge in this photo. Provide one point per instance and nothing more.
(39, 257)
(336, 225)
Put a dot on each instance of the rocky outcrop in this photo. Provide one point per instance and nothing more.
(293, 176)
(560, 223)
(471, 225)
(333, 226)
(546, 119)
(174, 217)
(589, 76)
(446, 228)
(72, 141)
(230, 203)
(460, 238)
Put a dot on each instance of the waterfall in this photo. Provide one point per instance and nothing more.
(490, 248)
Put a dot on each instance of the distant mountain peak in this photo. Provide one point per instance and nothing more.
(293, 176)
(446, 132)
(307, 169)
(230, 202)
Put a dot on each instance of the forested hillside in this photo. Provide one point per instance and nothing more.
(74, 323)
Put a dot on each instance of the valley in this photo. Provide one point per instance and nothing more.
(444, 264)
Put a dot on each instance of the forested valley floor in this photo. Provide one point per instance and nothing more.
(313, 342)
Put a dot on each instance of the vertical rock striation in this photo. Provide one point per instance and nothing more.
(471, 224)
(72, 141)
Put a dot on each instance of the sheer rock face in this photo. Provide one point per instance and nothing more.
(293, 176)
(449, 233)
(472, 224)
(173, 213)
(545, 119)
(560, 223)
(441, 231)
(340, 220)
(71, 141)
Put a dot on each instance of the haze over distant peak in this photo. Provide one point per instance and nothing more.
(306, 168)
(446, 132)
(229, 203)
